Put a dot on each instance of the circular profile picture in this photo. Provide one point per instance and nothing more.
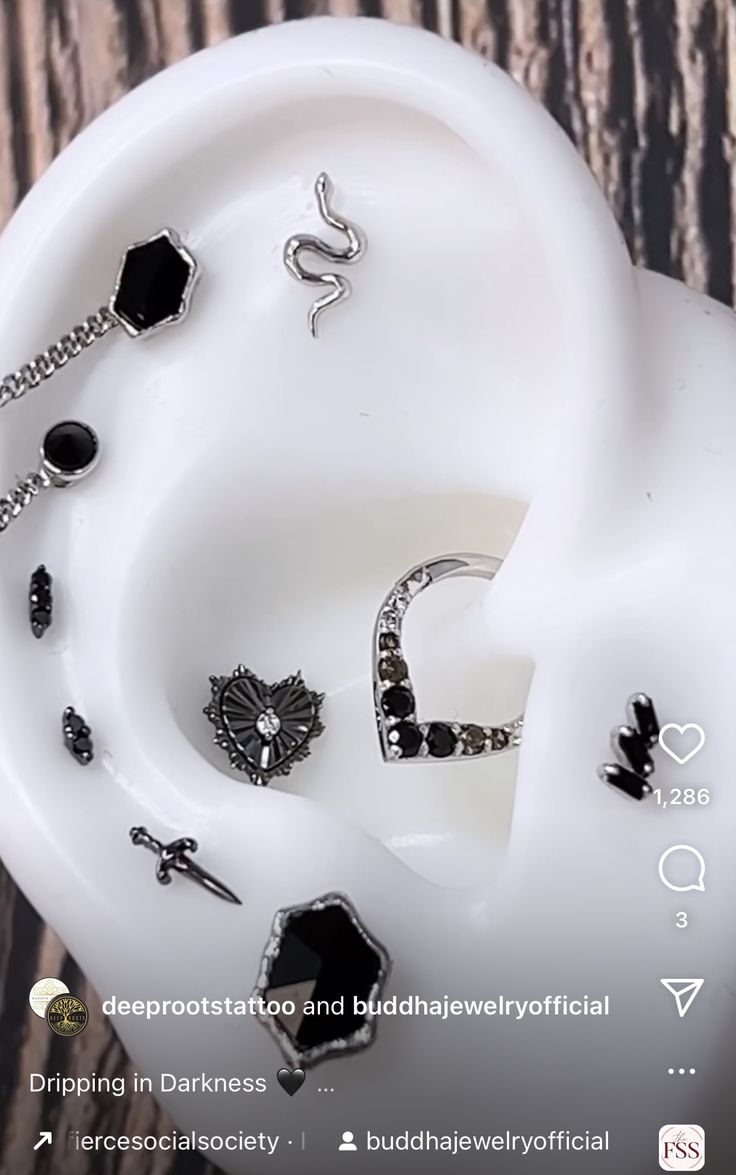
(66, 1015)
(43, 992)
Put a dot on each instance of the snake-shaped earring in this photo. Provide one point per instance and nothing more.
(338, 288)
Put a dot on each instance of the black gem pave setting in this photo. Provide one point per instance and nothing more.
(265, 729)
(321, 951)
(77, 737)
(632, 745)
(40, 601)
(154, 284)
(401, 735)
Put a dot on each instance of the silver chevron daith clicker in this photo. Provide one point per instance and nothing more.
(403, 736)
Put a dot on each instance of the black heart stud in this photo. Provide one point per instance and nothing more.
(402, 736)
(265, 729)
(291, 1080)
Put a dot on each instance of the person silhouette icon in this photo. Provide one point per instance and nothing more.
(347, 1143)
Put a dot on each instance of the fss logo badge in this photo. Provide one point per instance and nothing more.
(682, 1148)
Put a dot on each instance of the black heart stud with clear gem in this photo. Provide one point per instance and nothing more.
(153, 289)
(402, 736)
(69, 452)
(265, 729)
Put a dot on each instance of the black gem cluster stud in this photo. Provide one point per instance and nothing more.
(265, 729)
(318, 952)
(40, 601)
(153, 289)
(154, 284)
(402, 736)
(77, 737)
(632, 744)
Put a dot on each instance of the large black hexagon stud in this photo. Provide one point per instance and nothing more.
(322, 975)
(154, 284)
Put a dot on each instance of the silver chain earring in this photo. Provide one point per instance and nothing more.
(152, 290)
(69, 452)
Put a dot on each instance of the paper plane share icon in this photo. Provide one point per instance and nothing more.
(684, 991)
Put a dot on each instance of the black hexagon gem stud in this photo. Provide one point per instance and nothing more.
(321, 980)
(153, 289)
(77, 737)
(40, 601)
(154, 284)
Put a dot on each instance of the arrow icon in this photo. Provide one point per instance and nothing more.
(684, 991)
(44, 1137)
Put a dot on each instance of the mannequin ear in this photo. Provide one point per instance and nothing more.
(260, 491)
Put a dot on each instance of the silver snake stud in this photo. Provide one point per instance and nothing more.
(338, 287)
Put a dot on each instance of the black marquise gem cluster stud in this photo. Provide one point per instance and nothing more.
(77, 737)
(40, 601)
(632, 744)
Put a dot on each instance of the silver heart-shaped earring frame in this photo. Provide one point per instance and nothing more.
(403, 738)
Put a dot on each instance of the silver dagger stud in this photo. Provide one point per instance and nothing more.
(174, 857)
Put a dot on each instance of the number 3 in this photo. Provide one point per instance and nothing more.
(681, 920)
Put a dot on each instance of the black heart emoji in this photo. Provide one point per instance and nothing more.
(291, 1080)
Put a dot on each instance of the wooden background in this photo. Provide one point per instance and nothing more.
(646, 90)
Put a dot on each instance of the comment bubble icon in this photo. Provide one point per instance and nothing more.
(682, 869)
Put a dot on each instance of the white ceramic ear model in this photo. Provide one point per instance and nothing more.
(500, 381)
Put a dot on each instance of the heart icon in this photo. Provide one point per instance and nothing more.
(291, 1080)
(672, 727)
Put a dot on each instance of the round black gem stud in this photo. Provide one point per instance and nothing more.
(70, 447)
(408, 738)
(388, 641)
(441, 740)
(153, 285)
(398, 702)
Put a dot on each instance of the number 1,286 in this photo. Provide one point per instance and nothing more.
(682, 796)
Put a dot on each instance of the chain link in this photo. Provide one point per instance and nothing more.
(30, 375)
(25, 490)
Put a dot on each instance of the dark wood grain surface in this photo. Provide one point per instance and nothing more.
(647, 91)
